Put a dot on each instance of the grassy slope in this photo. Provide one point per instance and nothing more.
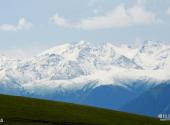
(26, 111)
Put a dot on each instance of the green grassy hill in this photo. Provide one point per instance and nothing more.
(27, 111)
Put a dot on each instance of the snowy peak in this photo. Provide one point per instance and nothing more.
(56, 50)
(67, 51)
(6, 62)
(126, 50)
(75, 65)
(82, 44)
(151, 47)
(150, 55)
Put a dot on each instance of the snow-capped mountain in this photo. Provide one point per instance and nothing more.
(152, 55)
(109, 76)
(6, 62)
(75, 66)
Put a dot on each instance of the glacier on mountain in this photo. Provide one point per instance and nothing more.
(72, 66)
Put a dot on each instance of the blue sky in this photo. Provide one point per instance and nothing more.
(29, 27)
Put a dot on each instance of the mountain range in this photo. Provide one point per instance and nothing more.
(126, 78)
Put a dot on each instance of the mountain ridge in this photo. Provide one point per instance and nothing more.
(73, 66)
(105, 76)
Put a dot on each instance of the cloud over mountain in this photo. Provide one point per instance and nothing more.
(118, 17)
(23, 24)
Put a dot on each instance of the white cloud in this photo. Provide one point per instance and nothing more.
(21, 25)
(168, 11)
(118, 17)
(139, 15)
(59, 21)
